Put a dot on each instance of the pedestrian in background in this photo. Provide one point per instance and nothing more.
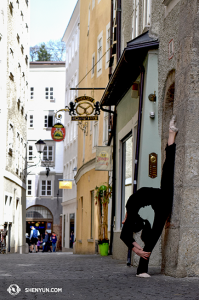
(45, 242)
(71, 239)
(34, 238)
(54, 241)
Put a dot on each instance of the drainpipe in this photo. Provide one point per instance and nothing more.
(119, 13)
(113, 135)
(139, 129)
(137, 145)
(111, 37)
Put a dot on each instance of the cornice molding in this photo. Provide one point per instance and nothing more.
(88, 166)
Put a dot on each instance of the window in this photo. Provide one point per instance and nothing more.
(93, 4)
(93, 65)
(11, 64)
(31, 121)
(29, 187)
(135, 18)
(10, 137)
(105, 134)
(89, 14)
(49, 93)
(127, 155)
(92, 213)
(95, 134)
(46, 189)
(66, 59)
(99, 54)
(73, 47)
(69, 54)
(146, 13)
(71, 132)
(48, 121)
(32, 93)
(6, 199)
(30, 152)
(48, 153)
(108, 31)
(10, 202)
(17, 152)
(76, 37)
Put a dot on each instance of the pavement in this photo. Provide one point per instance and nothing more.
(63, 275)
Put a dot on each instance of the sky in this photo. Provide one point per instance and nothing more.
(49, 19)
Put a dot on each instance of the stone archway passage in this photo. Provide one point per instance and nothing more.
(40, 217)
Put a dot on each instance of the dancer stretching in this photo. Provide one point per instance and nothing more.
(161, 201)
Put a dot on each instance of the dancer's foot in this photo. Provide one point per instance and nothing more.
(143, 275)
(172, 124)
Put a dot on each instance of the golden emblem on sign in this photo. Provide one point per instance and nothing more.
(84, 108)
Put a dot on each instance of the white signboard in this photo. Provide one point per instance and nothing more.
(103, 160)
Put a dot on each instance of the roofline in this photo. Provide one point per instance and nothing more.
(70, 20)
(47, 63)
(149, 44)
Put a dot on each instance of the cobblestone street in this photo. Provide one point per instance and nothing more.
(87, 277)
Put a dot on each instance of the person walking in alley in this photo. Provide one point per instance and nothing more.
(54, 241)
(71, 239)
(45, 242)
(34, 238)
(161, 201)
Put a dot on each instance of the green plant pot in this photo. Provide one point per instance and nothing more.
(104, 249)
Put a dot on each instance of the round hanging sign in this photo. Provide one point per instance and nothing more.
(58, 132)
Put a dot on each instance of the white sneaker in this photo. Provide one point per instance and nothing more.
(143, 275)
(172, 124)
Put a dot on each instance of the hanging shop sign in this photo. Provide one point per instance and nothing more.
(103, 160)
(58, 132)
(65, 185)
(82, 109)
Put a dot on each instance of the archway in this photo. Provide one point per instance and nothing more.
(168, 104)
(40, 217)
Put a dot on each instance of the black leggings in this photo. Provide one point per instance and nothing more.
(161, 201)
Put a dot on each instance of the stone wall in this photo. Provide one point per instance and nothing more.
(180, 237)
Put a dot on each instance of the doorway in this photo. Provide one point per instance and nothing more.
(72, 230)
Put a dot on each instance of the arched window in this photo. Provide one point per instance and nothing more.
(38, 212)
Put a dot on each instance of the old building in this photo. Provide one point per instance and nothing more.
(135, 129)
(93, 73)
(43, 197)
(14, 51)
(175, 24)
(71, 38)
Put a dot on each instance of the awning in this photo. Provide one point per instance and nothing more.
(128, 68)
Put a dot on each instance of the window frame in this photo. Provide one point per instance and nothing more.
(47, 153)
(29, 185)
(99, 53)
(93, 65)
(108, 39)
(48, 91)
(46, 187)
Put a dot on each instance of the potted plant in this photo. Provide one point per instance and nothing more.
(102, 196)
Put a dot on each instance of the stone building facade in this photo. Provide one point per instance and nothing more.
(14, 51)
(175, 23)
(71, 38)
(43, 197)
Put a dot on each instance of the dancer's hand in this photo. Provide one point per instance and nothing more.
(137, 246)
(141, 253)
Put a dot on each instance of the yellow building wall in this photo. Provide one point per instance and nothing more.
(88, 180)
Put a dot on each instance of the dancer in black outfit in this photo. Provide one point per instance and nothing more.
(161, 201)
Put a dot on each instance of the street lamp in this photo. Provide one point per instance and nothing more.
(40, 146)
